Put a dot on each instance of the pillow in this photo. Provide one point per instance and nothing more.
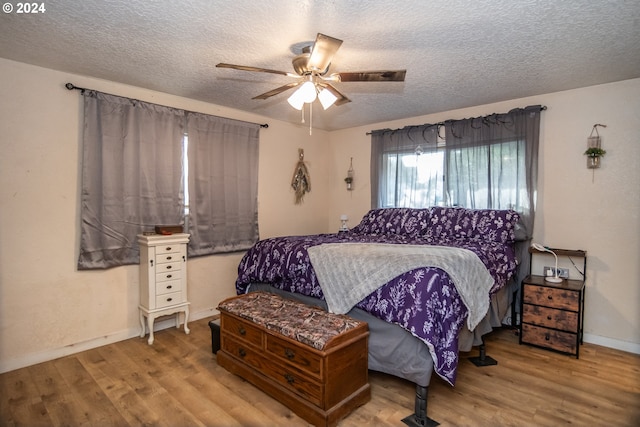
(402, 221)
(379, 221)
(480, 224)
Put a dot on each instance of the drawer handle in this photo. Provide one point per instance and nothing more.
(168, 267)
(242, 353)
(242, 331)
(169, 276)
(169, 299)
(289, 353)
(546, 337)
(549, 297)
(168, 248)
(169, 286)
(169, 258)
(548, 317)
(289, 378)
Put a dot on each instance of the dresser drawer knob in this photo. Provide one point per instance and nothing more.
(169, 267)
(169, 258)
(168, 249)
(548, 317)
(549, 297)
(169, 299)
(169, 276)
(242, 331)
(547, 337)
(242, 353)
(169, 286)
(289, 378)
(289, 353)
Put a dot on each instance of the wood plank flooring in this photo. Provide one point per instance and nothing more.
(176, 382)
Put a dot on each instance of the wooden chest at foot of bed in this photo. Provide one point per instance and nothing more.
(312, 361)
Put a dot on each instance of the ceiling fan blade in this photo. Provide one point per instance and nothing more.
(260, 70)
(342, 99)
(370, 76)
(323, 50)
(277, 91)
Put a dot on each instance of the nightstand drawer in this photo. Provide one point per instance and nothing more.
(543, 337)
(551, 297)
(550, 317)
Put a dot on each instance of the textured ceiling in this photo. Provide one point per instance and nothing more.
(457, 53)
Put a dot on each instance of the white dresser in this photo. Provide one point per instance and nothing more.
(163, 279)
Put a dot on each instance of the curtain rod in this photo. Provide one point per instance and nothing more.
(71, 86)
(544, 107)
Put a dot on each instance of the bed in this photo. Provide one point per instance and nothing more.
(394, 270)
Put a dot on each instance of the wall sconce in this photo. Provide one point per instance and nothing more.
(349, 178)
(594, 148)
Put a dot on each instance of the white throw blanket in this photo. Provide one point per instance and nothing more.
(348, 272)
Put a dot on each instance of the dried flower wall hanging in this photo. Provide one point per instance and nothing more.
(301, 181)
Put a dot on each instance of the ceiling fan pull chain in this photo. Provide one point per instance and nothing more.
(310, 117)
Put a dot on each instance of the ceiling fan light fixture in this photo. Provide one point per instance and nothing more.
(327, 98)
(307, 92)
(295, 100)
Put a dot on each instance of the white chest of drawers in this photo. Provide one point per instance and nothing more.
(163, 279)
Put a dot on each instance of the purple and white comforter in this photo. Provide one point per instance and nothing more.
(424, 301)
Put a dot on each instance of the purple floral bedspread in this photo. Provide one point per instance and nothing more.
(423, 301)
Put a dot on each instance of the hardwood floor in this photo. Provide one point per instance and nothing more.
(176, 382)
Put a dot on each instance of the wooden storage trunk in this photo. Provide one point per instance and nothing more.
(312, 361)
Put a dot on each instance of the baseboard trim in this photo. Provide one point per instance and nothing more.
(630, 347)
(55, 353)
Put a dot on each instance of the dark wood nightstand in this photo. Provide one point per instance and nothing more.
(553, 313)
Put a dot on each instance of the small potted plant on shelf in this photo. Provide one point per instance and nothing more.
(593, 157)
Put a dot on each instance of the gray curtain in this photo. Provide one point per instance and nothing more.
(131, 176)
(223, 184)
(492, 163)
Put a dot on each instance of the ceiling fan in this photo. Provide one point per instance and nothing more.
(311, 68)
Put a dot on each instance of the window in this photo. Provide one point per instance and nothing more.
(481, 163)
(489, 176)
(413, 179)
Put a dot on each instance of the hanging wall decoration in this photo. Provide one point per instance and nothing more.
(349, 178)
(594, 148)
(301, 181)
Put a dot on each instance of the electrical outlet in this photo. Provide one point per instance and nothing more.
(562, 272)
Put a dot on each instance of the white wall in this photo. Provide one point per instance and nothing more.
(47, 307)
(597, 211)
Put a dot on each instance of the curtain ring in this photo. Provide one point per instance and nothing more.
(409, 134)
